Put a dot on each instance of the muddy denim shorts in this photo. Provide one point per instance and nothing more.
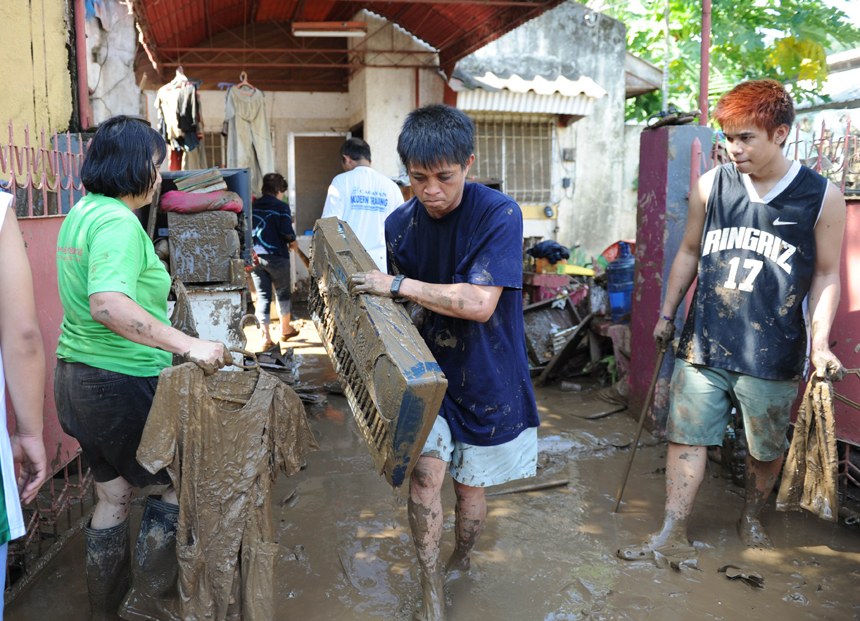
(482, 466)
(701, 400)
(106, 412)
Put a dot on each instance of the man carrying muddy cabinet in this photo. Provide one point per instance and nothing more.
(764, 235)
(455, 249)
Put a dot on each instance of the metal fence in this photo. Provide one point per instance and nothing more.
(44, 178)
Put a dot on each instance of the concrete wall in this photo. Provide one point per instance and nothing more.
(34, 53)
(390, 94)
(592, 212)
(111, 48)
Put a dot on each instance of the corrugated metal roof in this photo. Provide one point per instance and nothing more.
(540, 85)
(843, 89)
(454, 27)
(479, 100)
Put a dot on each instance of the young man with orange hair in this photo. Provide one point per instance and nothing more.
(764, 235)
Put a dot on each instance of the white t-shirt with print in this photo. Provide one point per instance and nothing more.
(364, 198)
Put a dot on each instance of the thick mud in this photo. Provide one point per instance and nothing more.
(346, 551)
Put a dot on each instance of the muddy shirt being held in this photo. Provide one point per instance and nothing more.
(224, 460)
(489, 400)
(755, 270)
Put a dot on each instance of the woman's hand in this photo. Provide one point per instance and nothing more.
(208, 355)
(29, 453)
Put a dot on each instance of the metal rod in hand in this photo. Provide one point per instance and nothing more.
(662, 347)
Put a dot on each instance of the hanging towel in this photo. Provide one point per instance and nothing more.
(809, 479)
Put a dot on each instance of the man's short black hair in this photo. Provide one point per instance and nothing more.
(434, 135)
(123, 158)
(356, 148)
(274, 183)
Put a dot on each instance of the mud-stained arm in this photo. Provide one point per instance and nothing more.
(460, 300)
(686, 263)
(123, 316)
(23, 358)
(825, 290)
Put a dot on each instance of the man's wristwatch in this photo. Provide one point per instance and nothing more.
(395, 285)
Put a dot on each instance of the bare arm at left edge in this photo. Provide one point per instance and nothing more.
(825, 290)
(23, 358)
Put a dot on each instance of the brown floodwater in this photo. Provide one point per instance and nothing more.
(346, 552)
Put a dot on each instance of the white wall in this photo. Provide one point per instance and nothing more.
(592, 211)
(389, 94)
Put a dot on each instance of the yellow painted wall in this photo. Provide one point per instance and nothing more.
(36, 87)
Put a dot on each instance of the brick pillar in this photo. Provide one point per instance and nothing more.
(664, 184)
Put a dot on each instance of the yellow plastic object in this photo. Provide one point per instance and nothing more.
(576, 270)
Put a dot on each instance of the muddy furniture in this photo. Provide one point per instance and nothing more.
(391, 380)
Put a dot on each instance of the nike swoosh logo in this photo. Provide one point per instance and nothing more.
(779, 222)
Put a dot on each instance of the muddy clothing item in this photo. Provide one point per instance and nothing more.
(701, 401)
(809, 479)
(273, 273)
(106, 413)
(364, 198)
(249, 140)
(12, 523)
(102, 247)
(755, 270)
(273, 226)
(489, 400)
(224, 460)
(483, 466)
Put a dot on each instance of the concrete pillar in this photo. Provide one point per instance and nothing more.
(664, 185)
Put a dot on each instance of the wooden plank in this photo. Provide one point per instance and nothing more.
(566, 349)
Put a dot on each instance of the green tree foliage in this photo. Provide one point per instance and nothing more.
(750, 39)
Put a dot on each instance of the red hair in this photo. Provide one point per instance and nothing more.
(763, 103)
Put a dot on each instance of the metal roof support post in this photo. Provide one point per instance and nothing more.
(704, 69)
(81, 62)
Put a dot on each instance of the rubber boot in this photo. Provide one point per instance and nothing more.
(108, 570)
(155, 571)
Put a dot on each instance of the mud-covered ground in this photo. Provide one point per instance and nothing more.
(346, 552)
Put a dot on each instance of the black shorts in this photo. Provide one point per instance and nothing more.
(106, 412)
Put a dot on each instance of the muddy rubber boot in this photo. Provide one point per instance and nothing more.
(154, 590)
(108, 570)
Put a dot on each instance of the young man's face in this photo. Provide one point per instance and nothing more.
(751, 149)
(439, 188)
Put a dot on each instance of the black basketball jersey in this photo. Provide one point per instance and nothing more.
(755, 269)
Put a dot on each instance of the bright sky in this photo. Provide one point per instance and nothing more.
(849, 7)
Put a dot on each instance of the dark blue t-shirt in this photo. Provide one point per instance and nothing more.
(490, 399)
(273, 226)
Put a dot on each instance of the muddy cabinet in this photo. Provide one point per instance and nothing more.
(208, 251)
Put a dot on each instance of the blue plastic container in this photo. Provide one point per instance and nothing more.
(620, 276)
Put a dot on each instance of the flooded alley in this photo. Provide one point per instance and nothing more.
(346, 551)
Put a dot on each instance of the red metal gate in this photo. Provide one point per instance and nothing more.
(45, 181)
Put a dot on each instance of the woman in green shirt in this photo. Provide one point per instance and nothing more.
(116, 338)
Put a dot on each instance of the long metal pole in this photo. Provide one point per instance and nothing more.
(662, 353)
(704, 69)
(666, 57)
(81, 63)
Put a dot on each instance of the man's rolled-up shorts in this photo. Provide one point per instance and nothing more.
(700, 406)
(483, 466)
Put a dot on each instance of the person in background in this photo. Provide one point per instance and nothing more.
(115, 340)
(363, 198)
(274, 237)
(22, 372)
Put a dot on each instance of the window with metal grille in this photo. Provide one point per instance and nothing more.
(517, 149)
(215, 146)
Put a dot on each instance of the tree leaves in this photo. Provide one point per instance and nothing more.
(750, 39)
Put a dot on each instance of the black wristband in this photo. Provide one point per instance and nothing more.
(395, 284)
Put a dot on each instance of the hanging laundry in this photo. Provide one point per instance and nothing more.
(179, 120)
(223, 456)
(249, 140)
